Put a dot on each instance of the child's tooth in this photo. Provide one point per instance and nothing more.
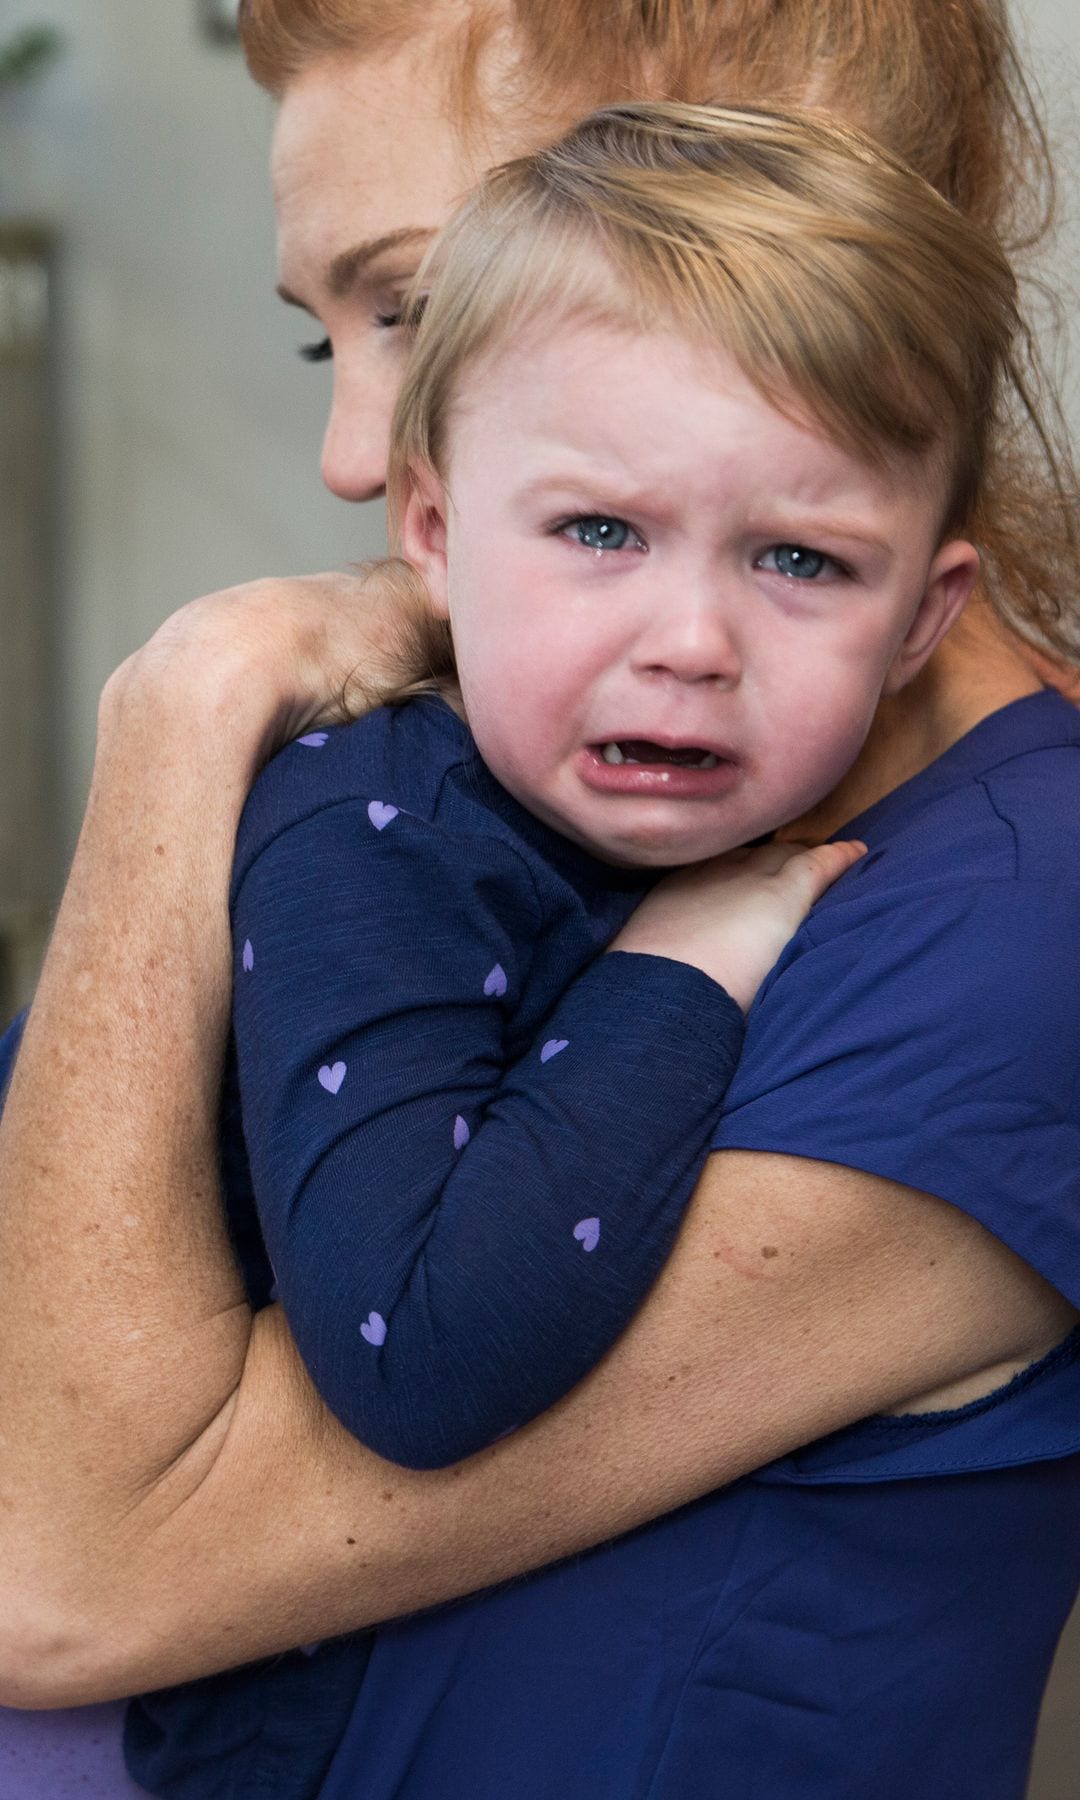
(612, 754)
(709, 761)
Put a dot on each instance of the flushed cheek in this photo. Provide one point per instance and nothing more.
(817, 744)
(520, 662)
(517, 717)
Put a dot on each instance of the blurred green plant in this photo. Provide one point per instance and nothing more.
(25, 52)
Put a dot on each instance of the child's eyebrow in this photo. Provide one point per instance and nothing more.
(846, 529)
(580, 481)
(605, 486)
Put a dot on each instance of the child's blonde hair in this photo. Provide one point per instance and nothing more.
(846, 288)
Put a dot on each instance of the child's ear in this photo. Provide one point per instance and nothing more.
(422, 532)
(949, 586)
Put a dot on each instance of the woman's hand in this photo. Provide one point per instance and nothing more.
(732, 916)
(275, 657)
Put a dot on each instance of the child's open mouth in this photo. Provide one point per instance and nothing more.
(642, 750)
(643, 767)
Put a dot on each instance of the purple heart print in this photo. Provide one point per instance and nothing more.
(587, 1232)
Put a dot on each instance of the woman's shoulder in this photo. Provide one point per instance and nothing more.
(967, 903)
(1000, 807)
(922, 1025)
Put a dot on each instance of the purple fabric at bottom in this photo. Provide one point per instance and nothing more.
(72, 1755)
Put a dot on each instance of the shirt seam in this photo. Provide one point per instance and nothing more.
(984, 784)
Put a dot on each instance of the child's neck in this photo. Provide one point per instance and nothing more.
(977, 669)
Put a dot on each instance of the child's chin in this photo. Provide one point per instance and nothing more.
(643, 843)
(658, 853)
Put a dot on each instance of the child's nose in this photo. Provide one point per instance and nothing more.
(688, 637)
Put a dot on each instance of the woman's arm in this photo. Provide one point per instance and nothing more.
(175, 1496)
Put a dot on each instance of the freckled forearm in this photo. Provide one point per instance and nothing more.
(123, 1324)
(122, 1321)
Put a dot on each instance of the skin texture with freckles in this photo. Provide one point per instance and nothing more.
(690, 630)
(366, 151)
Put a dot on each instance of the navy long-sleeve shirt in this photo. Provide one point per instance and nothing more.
(471, 1135)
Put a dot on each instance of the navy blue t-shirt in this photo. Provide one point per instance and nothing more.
(924, 1023)
(876, 1612)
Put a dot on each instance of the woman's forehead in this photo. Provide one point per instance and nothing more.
(368, 145)
(369, 134)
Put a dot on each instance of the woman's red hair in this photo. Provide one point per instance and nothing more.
(937, 81)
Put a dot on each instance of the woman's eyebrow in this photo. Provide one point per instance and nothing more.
(347, 268)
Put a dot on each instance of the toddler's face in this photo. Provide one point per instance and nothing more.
(674, 610)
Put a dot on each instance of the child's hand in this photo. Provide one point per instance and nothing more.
(732, 916)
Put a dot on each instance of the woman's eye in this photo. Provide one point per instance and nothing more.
(599, 533)
(391, 317)
(797, 562)
(319, 352)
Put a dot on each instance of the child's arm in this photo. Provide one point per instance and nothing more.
(457, 1242)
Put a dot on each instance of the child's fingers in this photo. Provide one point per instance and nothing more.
(810, 871)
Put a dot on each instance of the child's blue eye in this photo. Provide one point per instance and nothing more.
(321, 352)
(796, 561)
(600, 533)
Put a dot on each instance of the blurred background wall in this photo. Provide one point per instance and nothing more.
(187, 429)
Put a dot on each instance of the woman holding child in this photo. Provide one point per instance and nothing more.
(886, 1226)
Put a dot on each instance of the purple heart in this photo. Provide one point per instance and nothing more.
(331, 1076)
(248, 958)
(314, 739)
(462, 1133)
(374, 1329)
(380, 812)
(552, 1048)
(587, 1232)
(495, 983)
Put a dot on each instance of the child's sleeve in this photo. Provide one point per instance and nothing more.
(9, 1050)
(456, 1242)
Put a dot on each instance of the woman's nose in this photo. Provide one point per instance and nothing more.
(357, 442)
